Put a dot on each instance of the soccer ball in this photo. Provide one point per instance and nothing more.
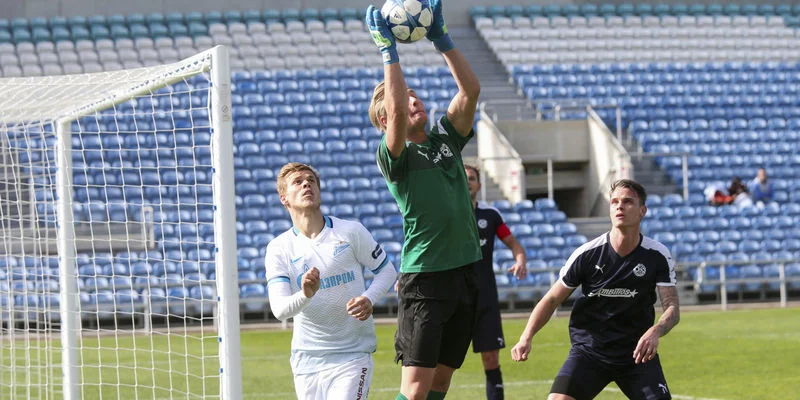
(408, 20)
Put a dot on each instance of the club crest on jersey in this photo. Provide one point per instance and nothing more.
(482, 223)
(639, 270)
(300, 276)
(445, 149)
(340, 248)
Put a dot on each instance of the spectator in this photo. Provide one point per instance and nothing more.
(740, 195)
(761, 188)
(737, 194)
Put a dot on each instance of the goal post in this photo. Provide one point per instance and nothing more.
(118, 259)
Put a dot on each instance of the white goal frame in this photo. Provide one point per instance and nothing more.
(41, 99)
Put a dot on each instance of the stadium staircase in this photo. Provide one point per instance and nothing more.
(649, 173)
(495, 85)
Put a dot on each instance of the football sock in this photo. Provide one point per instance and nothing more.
(433, 395)
(400, 397)
(494, 384)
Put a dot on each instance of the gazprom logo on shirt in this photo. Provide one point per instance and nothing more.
(337, 280)
(329, 281)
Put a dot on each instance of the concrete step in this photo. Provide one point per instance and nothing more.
(491, 73)
(653, 177)
(498, 92)
(663, 189)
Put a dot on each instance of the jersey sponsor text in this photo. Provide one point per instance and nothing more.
(617, 292)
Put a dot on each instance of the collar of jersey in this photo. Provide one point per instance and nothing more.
(327, 220)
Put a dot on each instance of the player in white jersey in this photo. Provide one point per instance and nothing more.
(315, 274)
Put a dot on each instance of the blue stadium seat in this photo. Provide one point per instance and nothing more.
(279, 226)
(333, 146)
(344, 211)
(532, 217)
(543, 229)
(565, 228)
(751, 272)
(254, 296)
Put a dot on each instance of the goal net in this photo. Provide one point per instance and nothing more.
(118, 275)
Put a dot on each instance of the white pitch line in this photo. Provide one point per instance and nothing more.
(674, 396)
(475, 386)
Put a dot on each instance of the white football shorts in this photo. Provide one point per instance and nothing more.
(349, 381)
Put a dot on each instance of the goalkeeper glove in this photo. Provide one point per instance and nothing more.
(437, 32)
(382, 36)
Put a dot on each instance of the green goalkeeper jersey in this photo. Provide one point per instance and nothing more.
(430, 186)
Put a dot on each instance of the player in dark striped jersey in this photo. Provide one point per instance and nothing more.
(611, 327)
(488, 338)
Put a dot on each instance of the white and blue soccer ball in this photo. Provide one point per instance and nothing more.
(408, 20)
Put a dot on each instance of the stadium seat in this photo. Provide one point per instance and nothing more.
(254, 296)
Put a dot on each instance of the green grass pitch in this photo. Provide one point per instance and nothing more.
(748, 354)
(745, 354)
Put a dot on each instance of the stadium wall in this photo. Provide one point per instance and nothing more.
(457, 11)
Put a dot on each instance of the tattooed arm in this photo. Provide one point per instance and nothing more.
(669, 305)
(647, 347)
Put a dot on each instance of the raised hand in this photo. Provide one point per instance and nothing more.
(437, 32)
(381, 35)
(310, 282)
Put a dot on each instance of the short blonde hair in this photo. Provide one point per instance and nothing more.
(290, 169)
(376, 108)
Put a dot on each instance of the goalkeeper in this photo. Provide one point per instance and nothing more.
(425, 173)
(315, 274)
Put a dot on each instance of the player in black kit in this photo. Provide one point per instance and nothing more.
(488, 334)
(611, 326)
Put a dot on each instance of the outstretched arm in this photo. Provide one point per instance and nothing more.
(539, 316)
(395, 101)
(396, 106)
(461, 111)
(647, 347)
